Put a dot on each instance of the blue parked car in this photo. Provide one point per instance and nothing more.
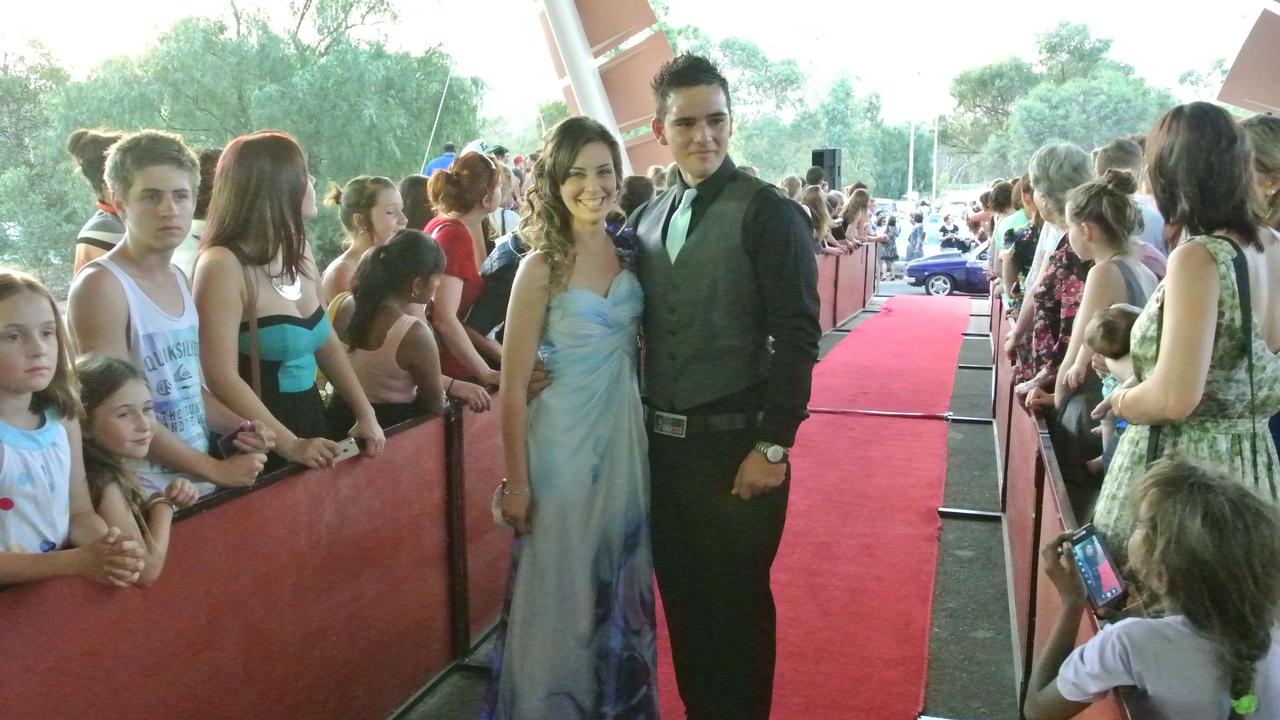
(951, 271)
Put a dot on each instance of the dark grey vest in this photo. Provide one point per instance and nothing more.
(703, 319)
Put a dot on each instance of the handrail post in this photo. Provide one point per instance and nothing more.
(456, 520)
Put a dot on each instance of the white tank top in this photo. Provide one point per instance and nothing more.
(166, 349)
(35, 486)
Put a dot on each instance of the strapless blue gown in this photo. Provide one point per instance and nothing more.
(578, 636)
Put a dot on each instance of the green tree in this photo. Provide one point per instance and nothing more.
(1089, 112)
(1069, 51)
(1078, 93)
(984, 97)
(354, 106)
(39, 206)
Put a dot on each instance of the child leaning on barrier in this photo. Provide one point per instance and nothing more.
(47, 524)
(119, 421)
(1205, 548)
(390, 345)
(1108, 337)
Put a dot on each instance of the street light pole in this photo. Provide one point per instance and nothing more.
(933, 190)
(911, 162)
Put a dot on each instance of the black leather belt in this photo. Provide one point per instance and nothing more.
(678, 426)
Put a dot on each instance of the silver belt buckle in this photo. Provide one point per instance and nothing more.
(670, 424)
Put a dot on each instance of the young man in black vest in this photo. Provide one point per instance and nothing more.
(731, 336)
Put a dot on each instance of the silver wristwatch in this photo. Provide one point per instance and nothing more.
(773, 453)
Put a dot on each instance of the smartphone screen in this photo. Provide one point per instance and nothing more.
(1101, 580)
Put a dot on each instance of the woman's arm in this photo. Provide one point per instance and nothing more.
(526, 315)
(1176, 384)
(444, 318)
(115, 510)
(336, 279)
(1008, 270)
(419, 356)
(333, 361)
(1270, 319)
(1103, 287)
(85, 525)
(489, 349)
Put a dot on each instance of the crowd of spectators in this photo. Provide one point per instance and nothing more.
(1142, 283)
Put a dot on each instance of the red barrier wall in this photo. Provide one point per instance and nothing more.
(323, 595)
(1055, 516)
(827, 269)
(488, 546)
(872, 269)
(1022, 492)
(1002, 377)
(851, 287)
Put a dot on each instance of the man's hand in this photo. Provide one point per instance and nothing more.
(757, 476)
(539, 379)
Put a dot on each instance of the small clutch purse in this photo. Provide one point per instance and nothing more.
(496, 508)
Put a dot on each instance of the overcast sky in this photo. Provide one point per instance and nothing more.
(906, 49)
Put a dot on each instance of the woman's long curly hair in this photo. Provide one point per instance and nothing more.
(545, 223)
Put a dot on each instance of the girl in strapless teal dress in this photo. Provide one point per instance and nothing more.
(255, 269)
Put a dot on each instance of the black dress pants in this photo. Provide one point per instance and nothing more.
(712, 552)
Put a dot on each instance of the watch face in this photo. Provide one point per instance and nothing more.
(775, 454)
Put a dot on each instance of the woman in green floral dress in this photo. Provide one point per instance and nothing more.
(1192, 372)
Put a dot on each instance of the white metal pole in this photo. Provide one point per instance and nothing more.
(571, 40)
(431, 141)
(933, 191)
(911, 161)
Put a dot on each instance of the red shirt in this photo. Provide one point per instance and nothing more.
(460, 262)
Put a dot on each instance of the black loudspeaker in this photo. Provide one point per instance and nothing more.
(829, 160)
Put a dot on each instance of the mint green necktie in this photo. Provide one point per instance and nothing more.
(678, 228)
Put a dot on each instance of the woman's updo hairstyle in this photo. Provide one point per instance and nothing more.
(386, 271)
(1107, 203)
(461, 188)
(88, 147)
(359, 197)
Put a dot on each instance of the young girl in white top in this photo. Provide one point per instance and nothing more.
(44, 501)
(391, 347)
(119, 422)
(1206, 550)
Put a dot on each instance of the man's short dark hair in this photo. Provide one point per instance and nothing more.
(448, 148)
(498, 151)
(685, 71)
(815, 175)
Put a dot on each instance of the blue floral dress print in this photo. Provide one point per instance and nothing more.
(577, 639)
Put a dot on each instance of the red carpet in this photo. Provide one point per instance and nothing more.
(854, 578)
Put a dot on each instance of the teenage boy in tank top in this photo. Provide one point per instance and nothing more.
(135, 305)
(731, 337)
